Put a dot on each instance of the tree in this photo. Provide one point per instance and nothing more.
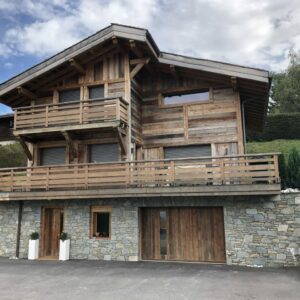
(293, 169)
(285, 93)
(12, 155)
(282, 171)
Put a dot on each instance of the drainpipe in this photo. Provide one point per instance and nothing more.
(19, 228)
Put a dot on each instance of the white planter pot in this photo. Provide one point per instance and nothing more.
(33, 250)
(64, 250)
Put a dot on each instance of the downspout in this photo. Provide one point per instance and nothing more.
(19, 229)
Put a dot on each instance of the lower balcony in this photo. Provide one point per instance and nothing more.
(207, 176)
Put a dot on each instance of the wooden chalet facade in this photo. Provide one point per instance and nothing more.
(113, 118)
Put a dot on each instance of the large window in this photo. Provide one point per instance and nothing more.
(69, 95)
(103, 153)
(96, 92)
(52, 156)
(187, 151)
(183, 98)
(100, 222)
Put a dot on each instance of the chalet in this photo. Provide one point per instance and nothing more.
(140, 154)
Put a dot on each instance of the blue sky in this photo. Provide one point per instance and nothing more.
(256, 33)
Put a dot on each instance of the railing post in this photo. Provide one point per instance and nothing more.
(15, 120)
(222, 170)
(276, 168)
(118, 114)
(47, 179)
(80, 112)
(12, 180)
(127, 172)
(86, 176)
(173, 175)
(46, 119)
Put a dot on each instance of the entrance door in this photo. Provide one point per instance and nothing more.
(52, 227)
(183, 233)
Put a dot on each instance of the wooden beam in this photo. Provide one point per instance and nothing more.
(234, 83)
(122, 141)
(174, 73)
(25, 148)
(22, 91)
(138, 67)
(68, 137)
(76, 65)
(114, 40)
(143, 60)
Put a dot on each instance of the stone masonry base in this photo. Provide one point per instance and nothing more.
(259, 231)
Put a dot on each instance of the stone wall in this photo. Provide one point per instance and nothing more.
(259, 231)
(263, 232)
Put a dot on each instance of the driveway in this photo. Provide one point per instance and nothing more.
(36, 280)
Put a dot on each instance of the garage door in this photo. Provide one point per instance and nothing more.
(183, 233)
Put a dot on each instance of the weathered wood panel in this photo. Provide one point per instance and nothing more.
(136, 113)
(192, 234)
(205, 123)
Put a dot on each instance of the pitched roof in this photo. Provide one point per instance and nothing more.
(137, 34)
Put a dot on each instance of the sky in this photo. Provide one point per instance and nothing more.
(257, 33)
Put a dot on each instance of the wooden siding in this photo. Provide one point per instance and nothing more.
(203, 123)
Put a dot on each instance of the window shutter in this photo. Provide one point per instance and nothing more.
(96, 92)
(187, 151)
(104, 153)
(69, 95)
(53, 156)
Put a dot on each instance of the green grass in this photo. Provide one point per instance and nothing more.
(282, 146)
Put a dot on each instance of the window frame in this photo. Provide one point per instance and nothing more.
(93, 211)
(41, 148)
(77, 87)
(162, 96)
(88, 87)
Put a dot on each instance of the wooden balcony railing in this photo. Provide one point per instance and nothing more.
(71, 113)
(229, 170)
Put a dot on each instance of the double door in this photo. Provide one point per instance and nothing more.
(183, 233)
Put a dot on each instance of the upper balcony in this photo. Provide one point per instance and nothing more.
(79, 115)
(204, 176)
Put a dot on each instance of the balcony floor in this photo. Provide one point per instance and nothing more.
(210, 190)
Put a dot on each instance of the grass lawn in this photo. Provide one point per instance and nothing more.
(282, 146)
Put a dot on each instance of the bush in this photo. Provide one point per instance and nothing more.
(12, 155)
(293, 169)
(64, 236)
(34, 235)
(279, 126)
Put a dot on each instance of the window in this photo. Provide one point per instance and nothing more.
(96, 92)
(52, 156)
(187, 151)
(187, 98)
(100, 222)
(69, 95)
(103, 153)
(163, 232)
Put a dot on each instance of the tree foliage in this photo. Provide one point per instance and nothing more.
(285, 92)
(12, 155)
(293, 169)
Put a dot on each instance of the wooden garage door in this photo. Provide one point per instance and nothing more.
(183, 233)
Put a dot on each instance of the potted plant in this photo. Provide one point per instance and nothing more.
(33, 250)
(64, 246)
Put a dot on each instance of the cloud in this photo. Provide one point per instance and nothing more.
(257, 33)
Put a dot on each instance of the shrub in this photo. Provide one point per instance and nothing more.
(34, 235)
(64, 236)
(293, 169)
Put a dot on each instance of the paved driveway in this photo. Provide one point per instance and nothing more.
(42, 280)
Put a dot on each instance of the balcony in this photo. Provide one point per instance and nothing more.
(209, 176)
(85, 114)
